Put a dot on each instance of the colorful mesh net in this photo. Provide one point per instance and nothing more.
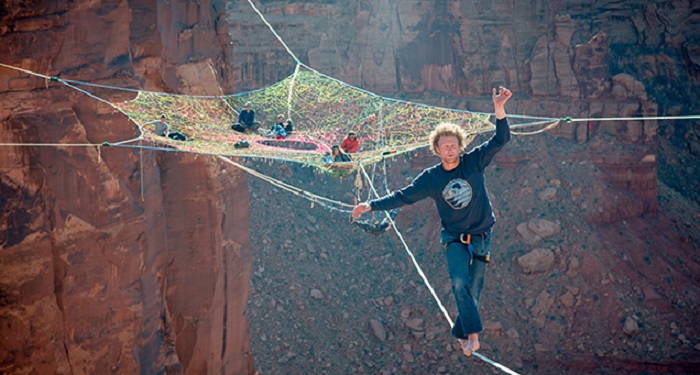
(322, 108)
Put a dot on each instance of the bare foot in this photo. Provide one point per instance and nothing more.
(471, 345)
(463, 344)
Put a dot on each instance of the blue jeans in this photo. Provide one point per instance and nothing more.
(467, 275)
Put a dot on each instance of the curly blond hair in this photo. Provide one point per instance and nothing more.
(447, 129)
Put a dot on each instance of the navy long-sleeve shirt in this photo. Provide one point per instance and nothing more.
(246, 117)
(460, 194)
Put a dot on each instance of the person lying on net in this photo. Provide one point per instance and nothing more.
(457, 186)
(246, 119)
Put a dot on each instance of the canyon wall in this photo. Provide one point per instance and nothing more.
(113, 259)
(568, 52)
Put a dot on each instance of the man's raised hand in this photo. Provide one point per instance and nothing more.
(501, 96)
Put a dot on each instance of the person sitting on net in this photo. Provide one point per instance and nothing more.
(350, 144)
(162, 127)
(288, 126)
(163, 130)
(336, 156)
(246, 119)
(277, 130)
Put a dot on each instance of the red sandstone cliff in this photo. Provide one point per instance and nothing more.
(115, 260)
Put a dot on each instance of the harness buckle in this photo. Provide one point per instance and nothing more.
(466, 239)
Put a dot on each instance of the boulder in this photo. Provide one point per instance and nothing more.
(537, 261)
(543, 228)
(548, 194)
(694, 148)
(378, 329)
(527, 236)
(415, 324)
(536, 230)
(512, 333)
(631, 327)
(572, 267)
(316, 294)
(493, 328)
(543, 303)
(567, 299)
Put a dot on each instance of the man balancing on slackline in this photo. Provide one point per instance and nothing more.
(458, 188)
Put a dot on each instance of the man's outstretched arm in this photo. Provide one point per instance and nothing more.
(500, 98)
(487, 150)
(412, 193)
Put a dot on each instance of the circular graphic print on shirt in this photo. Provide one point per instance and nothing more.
(457, 193)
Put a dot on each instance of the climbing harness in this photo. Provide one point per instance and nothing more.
(466, 239)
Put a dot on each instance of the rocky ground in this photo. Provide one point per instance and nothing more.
(563, 295)
(678, 160)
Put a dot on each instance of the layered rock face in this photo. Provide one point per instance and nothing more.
(568, 49)
(112, 259)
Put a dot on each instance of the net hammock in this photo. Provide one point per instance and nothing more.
(323, 109)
